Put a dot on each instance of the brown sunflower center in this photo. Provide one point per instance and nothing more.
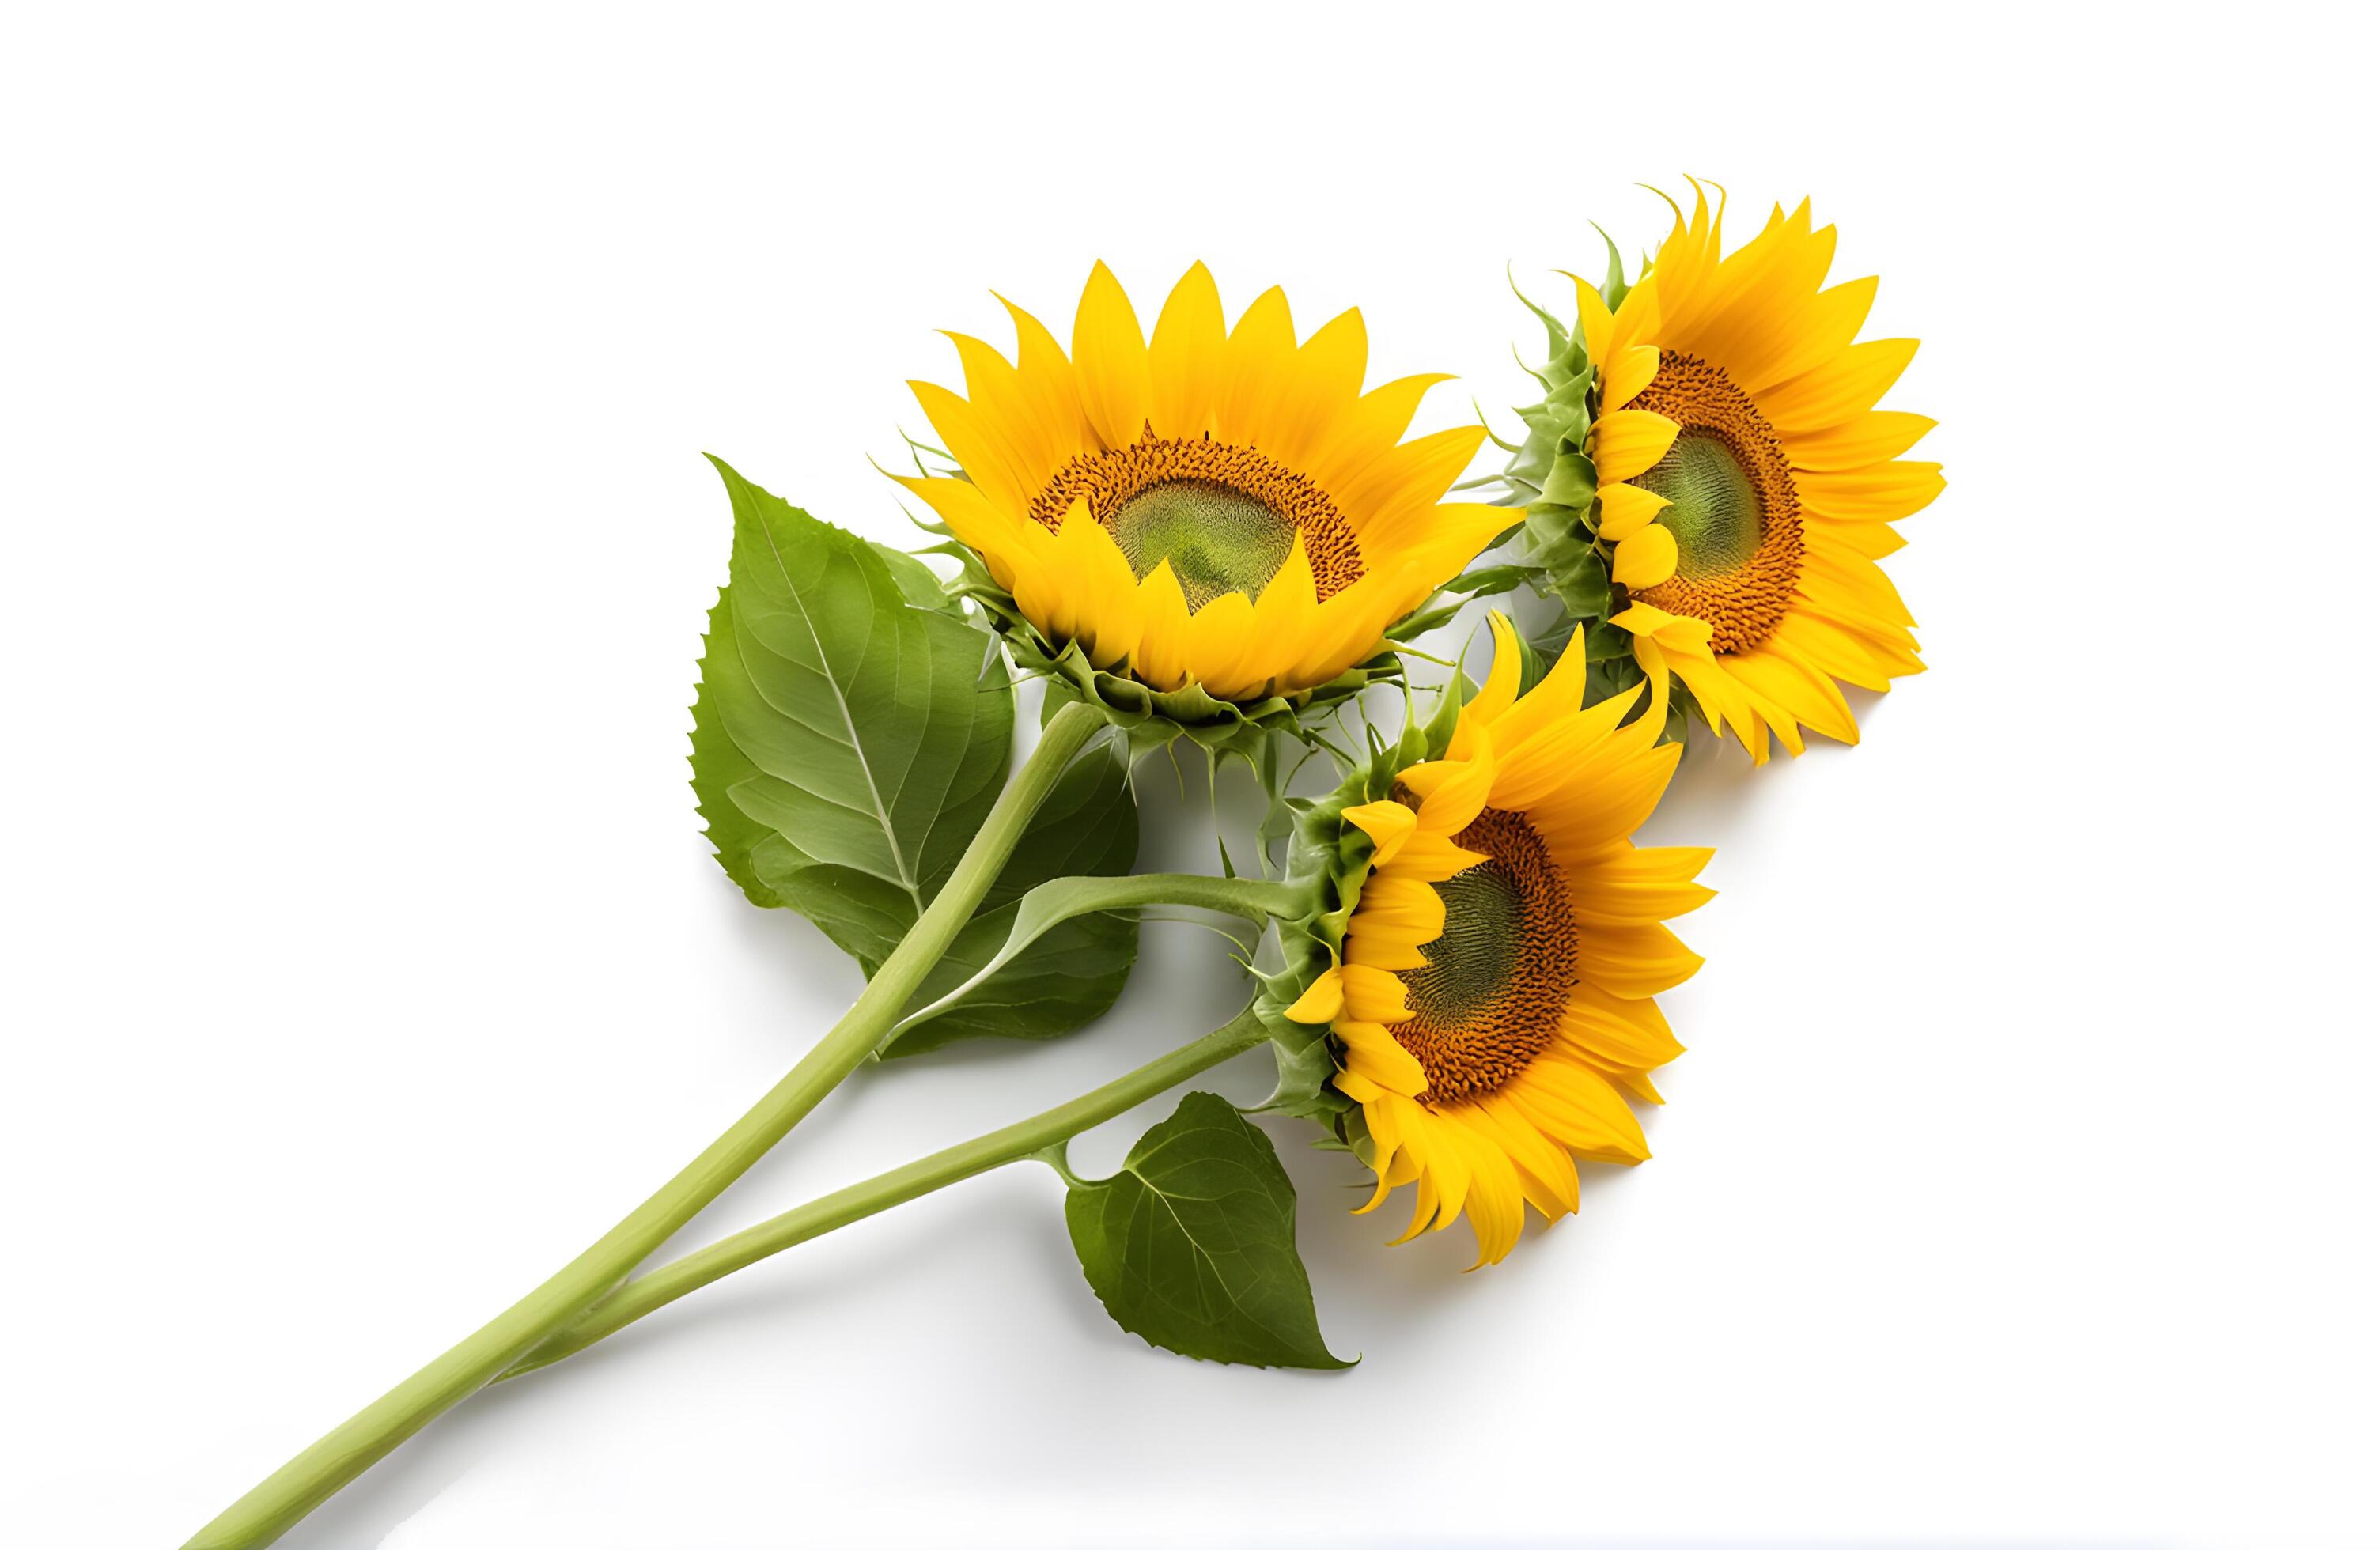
(1732, 507)
(1225, 516)
(1491, 994)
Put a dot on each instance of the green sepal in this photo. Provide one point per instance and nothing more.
(1562, 554)
(1192, 1244)
(1567, 564)
(1552, 476)
(1614, 289)
(1456, 593)
(1556, 334)
(1570, 483)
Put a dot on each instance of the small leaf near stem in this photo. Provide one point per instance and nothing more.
(1192, 1244)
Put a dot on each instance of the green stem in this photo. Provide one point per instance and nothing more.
(1065, 898)
(1015, 1143)
(313, 1476)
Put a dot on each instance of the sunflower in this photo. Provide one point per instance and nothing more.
(1494, 989)
(1228, 510)
(1744, 483)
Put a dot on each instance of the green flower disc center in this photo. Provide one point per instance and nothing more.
(1470, 967)
(1715, 509)
(1218, 539)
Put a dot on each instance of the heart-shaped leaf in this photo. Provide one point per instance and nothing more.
(1192, 1246)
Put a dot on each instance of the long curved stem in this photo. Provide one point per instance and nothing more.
(287, 1494)
(1026, 1138)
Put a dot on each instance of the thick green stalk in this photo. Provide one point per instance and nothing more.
(313, 1476)
(1012, 1144)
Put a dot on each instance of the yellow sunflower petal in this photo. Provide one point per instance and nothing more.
(1878, 436)
(1557, 695)
(1530, 772)
(1375, 1056)
(1626, 508)
(1389, 824)
(1637, 320)
(1185, 358)
(1371, 430)
(1884, 493)
(1630, 373)
(1443, 1182)
(1646, 558)
(1433, 857)
(1548, 1174)
(1452, 792)
(1399, 915)
(1098, 609)
(1634, 961)
(1110, 360)
(1623, 883)
(1594, 319)
(1673, 631)
(1255, 362)
(1494, 1202)
(969, 514)
(1220, 641)
(1840, 392)
(1405, 483)
(963, 436)
(1161, 657)
(1283, 623)
(1808, 697)
(1326, 378)
(1495, 697)
(1607, 796)
(1627, 1034)
(1578, 1108)
(1046, 380)
(1625, 442)
(1374, 995)
(1004, 414)
(1321, 1001)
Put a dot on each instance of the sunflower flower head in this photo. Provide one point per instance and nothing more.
(1710, 485)
(1479, 973)
(1202, 530)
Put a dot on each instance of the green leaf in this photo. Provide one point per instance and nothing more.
(867, 737)
(1192, 1246)
(852, 731)
(1571, 482)
(916, 580)
(1490, 578)
(1452, 596)
(720, 767)
(1074, 969)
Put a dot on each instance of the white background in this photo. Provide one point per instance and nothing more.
(364, 960)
